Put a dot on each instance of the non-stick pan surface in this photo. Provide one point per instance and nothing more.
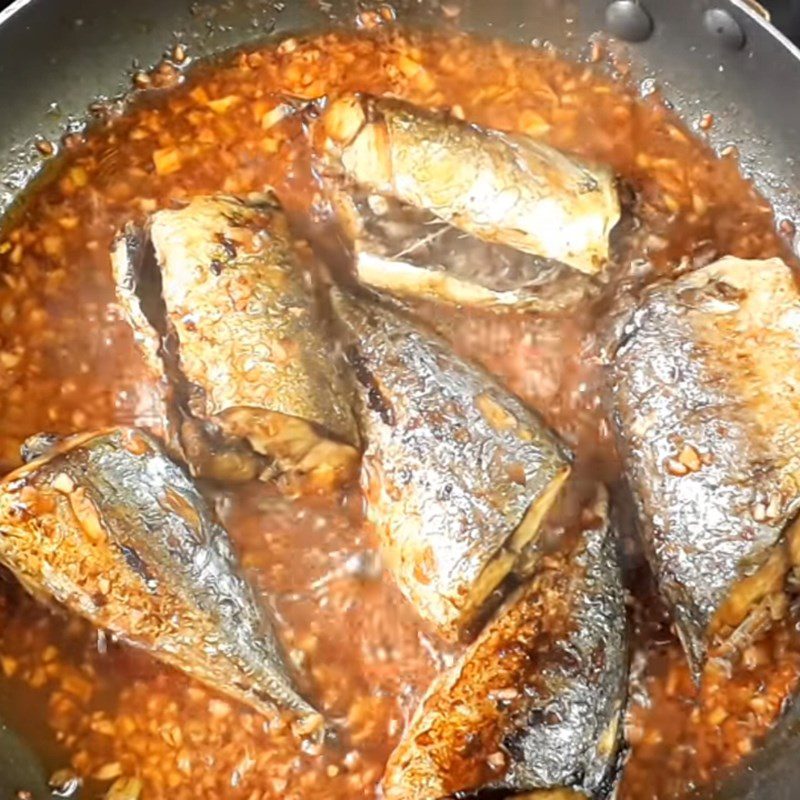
(57, 56)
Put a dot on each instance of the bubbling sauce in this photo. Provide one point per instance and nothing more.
(68, 363)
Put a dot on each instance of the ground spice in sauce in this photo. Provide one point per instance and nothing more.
(67, 363)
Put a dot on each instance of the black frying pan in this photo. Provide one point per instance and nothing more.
(56, 56)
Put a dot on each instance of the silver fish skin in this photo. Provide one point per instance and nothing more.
(458, 474)
(501, 187)
(705, 390)
(109, 527)
(411, 255)
(535, 704)
(236, 334)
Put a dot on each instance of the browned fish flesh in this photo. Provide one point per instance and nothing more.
(107, 525)
(458, 474)
(534, 705)
(412, 255)
(501, 187)
(706, 385)
(219, 304)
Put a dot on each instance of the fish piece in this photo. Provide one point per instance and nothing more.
(705, 386)
(410, 254)
(108, 526)
(501, 187)
(535, 703)
(219, 306)
(458, 474)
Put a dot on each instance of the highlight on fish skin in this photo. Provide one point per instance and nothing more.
(458, 474)
(108, 526)
(235, 331)
(535, 704)
(708, 417)
(502, 187)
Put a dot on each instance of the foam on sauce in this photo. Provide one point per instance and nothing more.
(68, 363)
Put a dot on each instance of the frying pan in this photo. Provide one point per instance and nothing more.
(706, 56)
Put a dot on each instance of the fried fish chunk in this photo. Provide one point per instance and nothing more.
(412, 255)
(458, 474)
(107, 525)
(501, 187)
(706, 389)
(224, 315)
(535, 704)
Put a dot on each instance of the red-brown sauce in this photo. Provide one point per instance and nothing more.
(68, 363)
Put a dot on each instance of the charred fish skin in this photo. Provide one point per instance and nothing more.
(534, 705)
(108, 526)
(411, 255)
(458, 474)
(504, 188)
(704, 386)
(248, 342)
(129, 256)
